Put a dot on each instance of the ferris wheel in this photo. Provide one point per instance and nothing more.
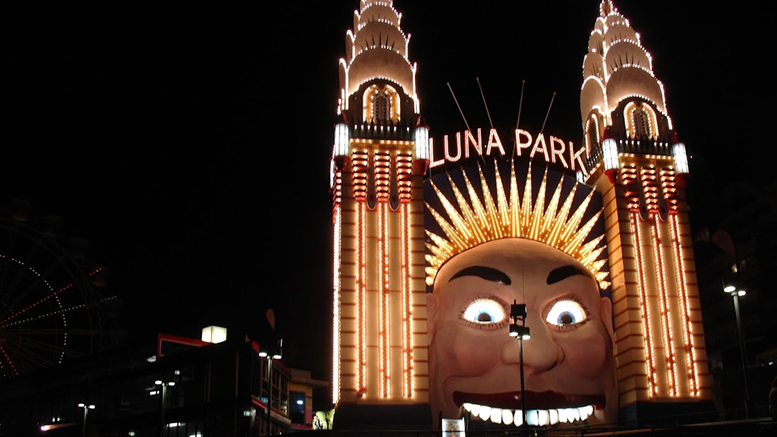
(50, 302)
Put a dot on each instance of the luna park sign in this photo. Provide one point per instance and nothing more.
(465, 145)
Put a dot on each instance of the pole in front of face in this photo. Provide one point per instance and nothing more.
(521, 332)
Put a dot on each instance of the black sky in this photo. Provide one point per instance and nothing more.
(188, 142)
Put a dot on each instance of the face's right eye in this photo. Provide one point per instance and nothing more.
(485, 312)
(566, 312)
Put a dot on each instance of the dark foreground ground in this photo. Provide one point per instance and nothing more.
(740, 428)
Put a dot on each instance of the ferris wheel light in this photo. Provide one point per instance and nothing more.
(45, 289)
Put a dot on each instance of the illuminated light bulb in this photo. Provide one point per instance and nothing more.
(610, 155)
(680, 155)
(341, 137)
(421, 149)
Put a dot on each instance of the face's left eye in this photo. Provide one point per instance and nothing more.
(566, 313)
(484, 311)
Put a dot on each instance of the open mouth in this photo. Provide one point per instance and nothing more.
(542, 408)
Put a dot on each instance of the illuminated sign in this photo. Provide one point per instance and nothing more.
(453, 428)
(467, 144)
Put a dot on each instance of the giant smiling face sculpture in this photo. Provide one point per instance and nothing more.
(474, 363)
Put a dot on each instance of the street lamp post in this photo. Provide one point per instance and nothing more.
(163, 385)
(735, 293)
(271, 355)
(86, 408)
(521, 332)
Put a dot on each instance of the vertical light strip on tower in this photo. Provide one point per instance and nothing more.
(629, 178)
(360, 165)
(669, 189)
(666, 319)
(361, 297)
(645, 304)
(690, 350)
(404, 188)
(650, 191)
(337, 300)
(407, 303)
(382, 184)
(383, 301)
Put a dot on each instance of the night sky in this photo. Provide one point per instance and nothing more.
(188, 143)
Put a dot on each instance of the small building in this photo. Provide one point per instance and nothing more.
(176, 387)
(301, 390)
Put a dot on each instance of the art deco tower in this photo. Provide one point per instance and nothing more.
(639, 165)
(378, 160)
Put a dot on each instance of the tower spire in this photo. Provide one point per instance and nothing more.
(638, 162)
(606, 8)
(380, 156)
(377, 48)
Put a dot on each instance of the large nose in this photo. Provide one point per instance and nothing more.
(540, 352)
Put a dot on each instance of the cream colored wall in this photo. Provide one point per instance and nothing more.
(349, 329)
(630, 342)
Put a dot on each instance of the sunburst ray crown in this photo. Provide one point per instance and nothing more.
(496, 215)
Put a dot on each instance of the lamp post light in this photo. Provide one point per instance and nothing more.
(521, 332)
(735, 293)
(86, 408)
(270, 355)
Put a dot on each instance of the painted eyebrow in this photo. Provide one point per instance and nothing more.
(487, 273)
(564, 272)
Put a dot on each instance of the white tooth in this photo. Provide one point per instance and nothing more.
(496, 415)
(485, 412)
(467, 406)
(583, 411)
(475, 409)
(553, 416)
(543, 417)
(507, 417)
(532, 418)
(574, 415)
(518, 420)
(562, 415)
(590, 409)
